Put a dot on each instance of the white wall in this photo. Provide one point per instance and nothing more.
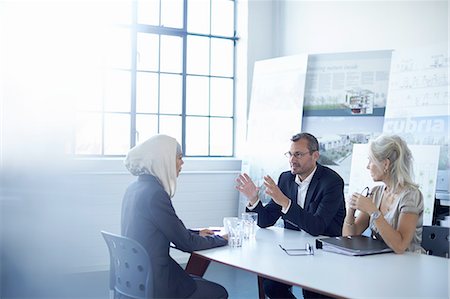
(336, 26)
(262, 34)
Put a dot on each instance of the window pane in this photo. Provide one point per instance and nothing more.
(222, 57)
(146, 92)
(171, 54)
(198, 16)
(88, 136)
(170, 94)
(147, 55)
(117, 48)
(197, 136)
(148, 12)
(117, 134)
(221, 97)
(222, 18)
(197, 95)
(221, 143)
(172, 13)
(90, 96)
(170, 125)
(197, 55)
(146, 127)
(117, 91)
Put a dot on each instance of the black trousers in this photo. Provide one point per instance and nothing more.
(208, 290)
(279, 290)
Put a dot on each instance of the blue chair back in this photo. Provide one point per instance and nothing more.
(130, 272)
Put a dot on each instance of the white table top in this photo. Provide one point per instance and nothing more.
(407, 275)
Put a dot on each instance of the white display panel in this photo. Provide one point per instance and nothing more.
(418, 104)
(275, 115)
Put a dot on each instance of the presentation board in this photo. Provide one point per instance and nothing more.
(418, 103)
(345, 100)
(274, 117)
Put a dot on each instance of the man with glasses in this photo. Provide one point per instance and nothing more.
(309, 197)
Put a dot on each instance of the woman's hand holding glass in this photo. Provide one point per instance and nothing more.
(246, 186)
(360, 202)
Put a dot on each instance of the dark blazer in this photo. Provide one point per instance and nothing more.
(324, 210)
(149, 218)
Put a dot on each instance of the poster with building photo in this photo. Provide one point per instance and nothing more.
(275, 115)
(418, 103)
(344, 102)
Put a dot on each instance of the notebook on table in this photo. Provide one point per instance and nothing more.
(353, 245)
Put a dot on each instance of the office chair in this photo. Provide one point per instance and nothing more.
(435, 240)
(130, 272)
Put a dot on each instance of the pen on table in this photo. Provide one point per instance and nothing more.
(216, 230)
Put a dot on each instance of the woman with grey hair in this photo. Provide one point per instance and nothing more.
(149, 217)
(393, 211)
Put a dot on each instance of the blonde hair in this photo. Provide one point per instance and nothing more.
(395, 149)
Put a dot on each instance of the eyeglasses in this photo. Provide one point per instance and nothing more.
(366, 191)
(309, 250)
(297, 155)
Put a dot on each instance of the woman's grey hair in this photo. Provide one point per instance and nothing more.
(313, 144)
(395, 149)
(179, 151)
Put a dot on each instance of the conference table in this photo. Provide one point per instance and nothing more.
(387, 275)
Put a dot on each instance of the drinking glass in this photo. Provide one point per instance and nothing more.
(249, 222)
(234, 228)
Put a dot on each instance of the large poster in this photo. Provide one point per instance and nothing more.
(425, 166)
(418, 102)
(344, 104)
(275, 115)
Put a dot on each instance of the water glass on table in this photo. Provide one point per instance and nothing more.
(234, 228)
(249, 221)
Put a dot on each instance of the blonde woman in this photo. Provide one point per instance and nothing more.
(149, 217)
(394, 210)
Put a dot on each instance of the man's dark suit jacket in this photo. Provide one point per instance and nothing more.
(149, 218)
(324, 210)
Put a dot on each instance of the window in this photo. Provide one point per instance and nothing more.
(170, 69)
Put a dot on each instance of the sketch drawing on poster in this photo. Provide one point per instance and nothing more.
(425, 165)
(418, 103)
(344, 103)
(275, 116)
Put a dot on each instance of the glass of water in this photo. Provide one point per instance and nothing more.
(249, 223)
(234, 228)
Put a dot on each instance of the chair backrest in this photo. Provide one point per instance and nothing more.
(130, 272)
(435, 240)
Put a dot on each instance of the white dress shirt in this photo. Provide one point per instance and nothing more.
(302, 189)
